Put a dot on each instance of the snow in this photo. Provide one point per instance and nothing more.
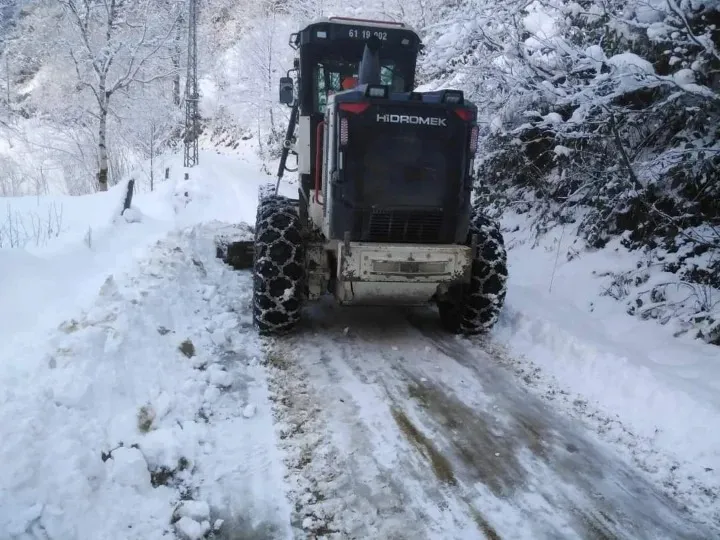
(197, 510)
(597, 56)
(629, 63)
(574, 9)
(658, 31)
(684, 76)
(141, 402)
(663, 389)
(553, 118)
(249, 410)
(541, 24)
(594, 13)
(561, 150)
(65, 271)
(217, 375)
(651, 11)
(132, 215)
(129, 468)
(101, 416)
(190, 529)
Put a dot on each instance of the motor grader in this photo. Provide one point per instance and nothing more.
(383, 214)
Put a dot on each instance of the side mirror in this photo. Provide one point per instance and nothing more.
(286, 90)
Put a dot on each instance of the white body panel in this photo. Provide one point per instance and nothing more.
(385, 293)
(360, 22)
(329, 166)
(303, 145)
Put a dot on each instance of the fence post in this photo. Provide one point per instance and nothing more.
(129, 194)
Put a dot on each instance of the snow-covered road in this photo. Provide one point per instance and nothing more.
(367, 423)
(409, 433)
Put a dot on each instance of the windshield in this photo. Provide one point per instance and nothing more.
(330, 76)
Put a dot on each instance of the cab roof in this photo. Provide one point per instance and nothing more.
(364, 22)
(327, 30)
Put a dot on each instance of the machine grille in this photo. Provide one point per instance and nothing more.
(405, 226)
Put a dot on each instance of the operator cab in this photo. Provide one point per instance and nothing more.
(377, 161)
(331, 51)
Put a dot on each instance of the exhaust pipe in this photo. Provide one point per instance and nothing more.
(369, 72)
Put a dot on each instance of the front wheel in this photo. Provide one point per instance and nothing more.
(474, 307)
(279, 266)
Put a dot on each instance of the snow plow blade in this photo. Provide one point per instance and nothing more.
(235, 246)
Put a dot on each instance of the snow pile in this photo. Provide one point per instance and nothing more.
(139, 402)
(63, 273)
(127, 378)
(41, 284)
(613, 368)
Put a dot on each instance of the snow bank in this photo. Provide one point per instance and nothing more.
(665, 389)
(43, 283)
(99, 410)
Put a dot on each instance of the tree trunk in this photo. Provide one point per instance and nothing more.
(176, 85)
(102, 176)
(152, 157)
(7, 75)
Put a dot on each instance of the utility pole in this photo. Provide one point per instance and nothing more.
(7, 77)
(192, 126)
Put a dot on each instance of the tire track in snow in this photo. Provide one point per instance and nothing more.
(614, 500)
(339, 490)
(380, 484)
(412, 400)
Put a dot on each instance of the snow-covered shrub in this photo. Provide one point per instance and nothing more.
(21, 229)
(601, 114)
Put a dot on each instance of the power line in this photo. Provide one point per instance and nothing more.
(192, 124)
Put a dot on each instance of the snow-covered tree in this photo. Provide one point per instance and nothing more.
(603, 113)
(114, 45)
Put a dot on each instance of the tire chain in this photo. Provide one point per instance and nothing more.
(279, 266)
(477, 305)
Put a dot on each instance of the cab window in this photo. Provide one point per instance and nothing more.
(330, 75)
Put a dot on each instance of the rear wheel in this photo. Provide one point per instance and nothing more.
(279, 266)
(474, 308)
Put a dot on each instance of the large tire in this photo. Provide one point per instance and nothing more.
(474, 308)
(279, 266)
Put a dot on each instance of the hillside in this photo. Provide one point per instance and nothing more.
(601, 128)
